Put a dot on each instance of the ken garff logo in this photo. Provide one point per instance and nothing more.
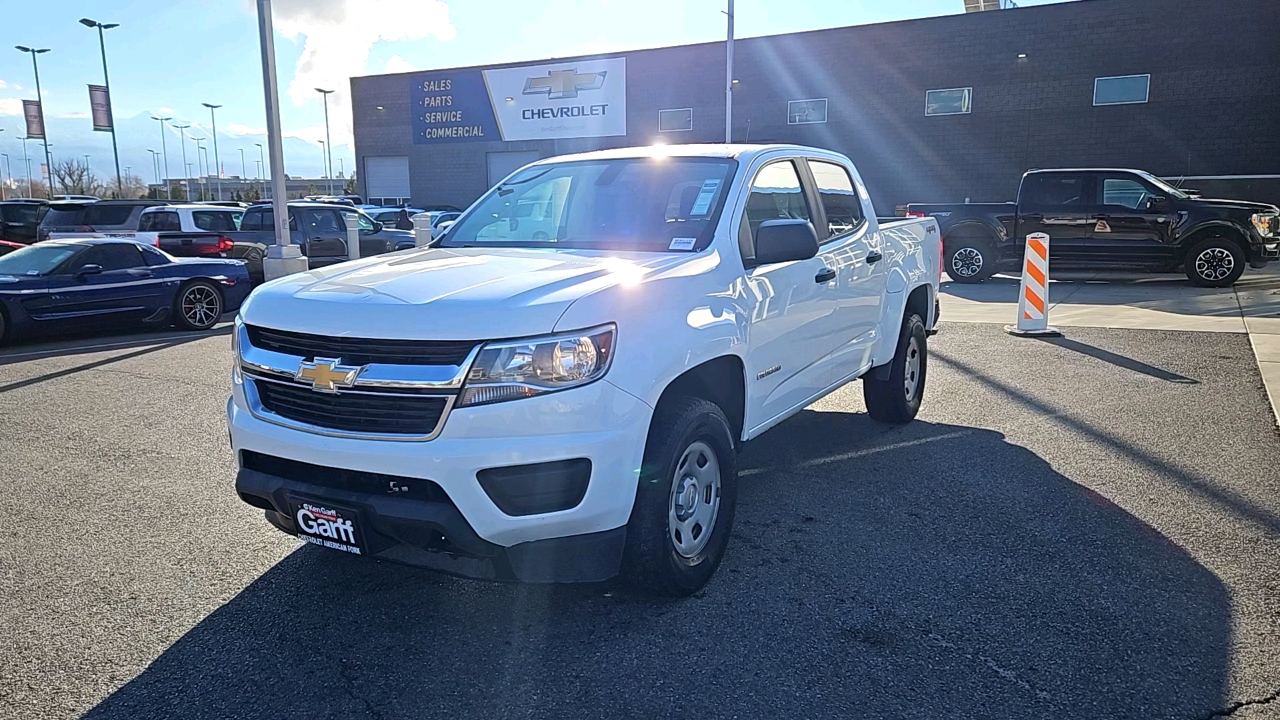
(326, 375)
(559, 84)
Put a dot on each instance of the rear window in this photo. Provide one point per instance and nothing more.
(61, 216)
(20, 212)
(159, 221)
(108, 214)
(215, 220)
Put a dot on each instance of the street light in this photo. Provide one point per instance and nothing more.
(44, 132)
(155, 165)
(27, 162)
(4, 189)
(107, 82)
(216, 162)
(323, 148)
(327, 143)
(244, 176)
(262, 169)
(186, 166)
(168, 194)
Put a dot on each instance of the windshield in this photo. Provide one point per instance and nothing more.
(1164, 186)
(651, 204)
(64, 216)
(36, 259)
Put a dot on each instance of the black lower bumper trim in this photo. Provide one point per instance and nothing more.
(434, 534)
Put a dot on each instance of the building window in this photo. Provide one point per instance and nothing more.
(675, 120)
(1121, 90)
(806, 112)
(953, 101)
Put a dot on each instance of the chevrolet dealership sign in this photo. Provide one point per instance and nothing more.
(586, 98)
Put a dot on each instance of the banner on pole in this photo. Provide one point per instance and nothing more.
(35, 118)
(100, 105)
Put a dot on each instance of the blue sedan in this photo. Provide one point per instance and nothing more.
(68, 285)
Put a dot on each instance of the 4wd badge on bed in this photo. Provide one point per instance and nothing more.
(326, 527)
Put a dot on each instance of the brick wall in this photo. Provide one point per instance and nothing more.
(1214, 105)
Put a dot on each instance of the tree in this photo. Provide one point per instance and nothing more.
(251, 194)
(350, 186)
(134, 187)
(75, 178)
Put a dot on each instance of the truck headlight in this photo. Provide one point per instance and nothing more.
(1266, 224)
(235, 351)
(513, 369)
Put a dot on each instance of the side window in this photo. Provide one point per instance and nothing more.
(265, 219)
(1055, 190)
(213, 220)
(776, 194)
(252, 220)
(1124, 192)
(159, 221)
(111, 256)
(321, 222)
(839, 199)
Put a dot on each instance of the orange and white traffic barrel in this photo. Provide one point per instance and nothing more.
(1033, 294)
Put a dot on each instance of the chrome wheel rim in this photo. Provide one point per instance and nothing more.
(966, 262)
(695, 500)
(1215, 263)
(201, 306)
(911, 372)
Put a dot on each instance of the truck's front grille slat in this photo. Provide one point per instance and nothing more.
(361, 351)
(354, 412)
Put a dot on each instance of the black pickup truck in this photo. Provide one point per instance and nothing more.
(1099, 219)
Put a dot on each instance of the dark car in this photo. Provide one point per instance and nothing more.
(7, 247)
(320, 228)
(1100, 219)
(94, 283)
(19, 219)
(64, 217)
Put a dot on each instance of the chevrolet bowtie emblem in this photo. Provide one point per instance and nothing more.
(559, 84)
(327, 375)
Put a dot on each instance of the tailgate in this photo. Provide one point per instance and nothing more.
(188, 244)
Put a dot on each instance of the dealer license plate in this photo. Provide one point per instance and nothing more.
(327, 526)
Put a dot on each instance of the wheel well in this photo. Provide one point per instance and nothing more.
(721, 381)
(217, 287)
(968, 231)
(918, 302)
(1231, 233)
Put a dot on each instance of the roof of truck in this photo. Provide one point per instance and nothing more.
(720, 150)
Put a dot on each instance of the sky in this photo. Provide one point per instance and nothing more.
(168, 57)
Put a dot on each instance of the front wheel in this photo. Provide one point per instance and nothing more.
(895, 396)
(969, 260)
(1216, 262)
(685, 500)
(198, 306)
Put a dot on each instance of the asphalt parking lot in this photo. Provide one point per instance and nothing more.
(1078, 528)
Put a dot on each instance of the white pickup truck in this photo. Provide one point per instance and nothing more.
(563, 400)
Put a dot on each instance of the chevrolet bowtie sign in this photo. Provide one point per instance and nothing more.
(585, 98)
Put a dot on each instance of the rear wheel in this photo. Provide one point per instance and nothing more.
(895, 398)
(1215, 262)
(685, 500)
(969, 259)
(198, 306)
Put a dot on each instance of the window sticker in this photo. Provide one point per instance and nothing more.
(705, 195)
(682, 243)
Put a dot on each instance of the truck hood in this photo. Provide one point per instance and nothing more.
(1236, 204)
(447, 293)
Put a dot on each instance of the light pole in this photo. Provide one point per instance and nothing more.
(186, 167)
(4, 189)
(323, 173)
(27, 162)
(107, 82)
(262, 169)
(327, 142)
(44, 131)
(728, 80)
(155, 168)
(87, 173)
(217, 164)
(201, 164)
(168, 194)
(283, 257)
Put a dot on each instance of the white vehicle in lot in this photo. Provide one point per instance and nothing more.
(569, 406)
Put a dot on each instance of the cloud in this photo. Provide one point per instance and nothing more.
(338, 37)
(398, 64)
(242, 129)
(166, 111)
(3, 84)
(75, 114)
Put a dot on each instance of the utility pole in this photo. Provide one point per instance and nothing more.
(106, 81)
(216, 162)
(728, 80)
(168, 192)
(44, 131)
(283, 257)
(186, 167)
(328, 144)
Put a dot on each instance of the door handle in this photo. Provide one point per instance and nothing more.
(141, 273)
(825, 275)
(1099, 217)
(874, 257)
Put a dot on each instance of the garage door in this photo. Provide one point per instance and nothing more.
(502, 164)
(386, 180)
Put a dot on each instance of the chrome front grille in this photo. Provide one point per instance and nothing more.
(386, 401)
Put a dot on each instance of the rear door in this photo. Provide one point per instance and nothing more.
(125, 291)
(1126, 233)
(855, 253)
(20, 221)
(794, 322)
(326, 235)
(1063, 206)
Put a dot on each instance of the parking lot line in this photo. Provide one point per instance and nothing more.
(864, 452)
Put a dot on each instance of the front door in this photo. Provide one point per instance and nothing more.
(326, 235)
(794, 320)
(124, 292)
(1062, 206)
(1127, 233)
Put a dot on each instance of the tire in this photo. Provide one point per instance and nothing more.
(969, 259)
(671, 550)
(896, 398)
(1215, 262)
(198, 306)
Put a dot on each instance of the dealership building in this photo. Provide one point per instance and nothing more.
(938, 109)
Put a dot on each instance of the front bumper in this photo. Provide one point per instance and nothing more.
(598, 422)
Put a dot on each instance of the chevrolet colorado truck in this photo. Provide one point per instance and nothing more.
(562, 399)
(1108, 220)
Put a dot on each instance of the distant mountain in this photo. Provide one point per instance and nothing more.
(75, 137)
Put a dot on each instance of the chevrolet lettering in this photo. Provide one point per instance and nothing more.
(556, 389)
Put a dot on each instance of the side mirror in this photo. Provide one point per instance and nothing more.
(377, 226)
(89, 270)
(1157, 202)
(779, 241)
